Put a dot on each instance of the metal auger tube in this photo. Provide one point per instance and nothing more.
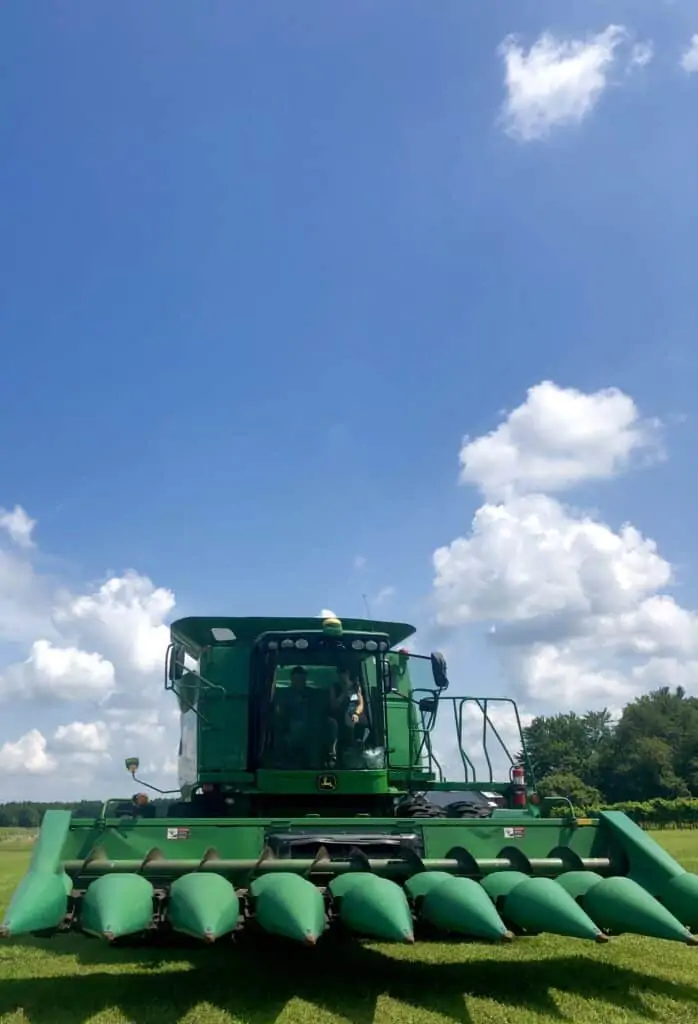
(156, 867)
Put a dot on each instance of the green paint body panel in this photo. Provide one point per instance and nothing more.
(117, 905)
(621, 905)
(301, 782)
(299, 852)
(373, 906)
(457, 905)
(40, 902)
(289, 906)
(203, 906)
(244, 838)
(41, 899)
(195, 631)
(539, 905)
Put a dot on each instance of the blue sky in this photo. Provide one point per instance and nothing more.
(263, 267)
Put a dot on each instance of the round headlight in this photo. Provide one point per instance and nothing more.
(301, 644)
(358, 645)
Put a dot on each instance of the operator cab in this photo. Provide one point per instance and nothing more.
(297, 716)
(317, 701)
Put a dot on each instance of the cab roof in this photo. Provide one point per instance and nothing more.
(198, 631)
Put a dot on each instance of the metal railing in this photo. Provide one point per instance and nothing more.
(428, 703)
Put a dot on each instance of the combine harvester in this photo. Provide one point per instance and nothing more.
(303, 826)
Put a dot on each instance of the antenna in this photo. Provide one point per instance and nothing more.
(368, 609)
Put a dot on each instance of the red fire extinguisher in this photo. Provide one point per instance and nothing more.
(518, 781)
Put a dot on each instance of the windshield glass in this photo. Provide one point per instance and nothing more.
(326, 713)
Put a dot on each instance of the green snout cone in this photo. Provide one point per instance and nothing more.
(205, 906)
(117, 905)
(680, 897)
(40, 902)
(456, 905)
(289, 906)
(540, 905)
(373, 906)
(621, 905)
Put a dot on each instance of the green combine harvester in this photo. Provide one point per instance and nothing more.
(311, 801)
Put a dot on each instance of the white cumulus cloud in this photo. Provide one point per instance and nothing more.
(124, 617)
(90, 737)
(26, 756)
(19, 525)
(529, 559)
(61, 673)
(99, 652)
(25, 599)
(81, 744)
(577, 610)
(559, 438)
(560, 81)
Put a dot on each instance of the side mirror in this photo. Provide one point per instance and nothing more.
(439, 670)
(132, 764)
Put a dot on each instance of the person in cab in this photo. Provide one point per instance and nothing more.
(348, 709)
(303, 716)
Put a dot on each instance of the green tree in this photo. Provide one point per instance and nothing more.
(654, 749)
(645, 771)
(569, 744)
(571, 786)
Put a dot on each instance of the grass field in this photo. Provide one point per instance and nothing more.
(543, 979)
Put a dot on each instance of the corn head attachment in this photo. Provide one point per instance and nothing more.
(311, 801)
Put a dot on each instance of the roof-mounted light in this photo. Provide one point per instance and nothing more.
(222, 634)
(332, 625)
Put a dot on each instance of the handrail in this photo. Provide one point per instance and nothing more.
(428, 717)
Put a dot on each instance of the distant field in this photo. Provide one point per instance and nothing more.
(17, 838)
(541, 980)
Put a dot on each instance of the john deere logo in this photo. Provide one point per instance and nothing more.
(327, 782)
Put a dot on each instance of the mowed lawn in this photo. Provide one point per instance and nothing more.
(543, 979)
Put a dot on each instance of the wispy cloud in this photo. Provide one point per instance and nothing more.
(383, 596)
(642, 54)
(689, 58)
(560, 81)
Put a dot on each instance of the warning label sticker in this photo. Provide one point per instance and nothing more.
(516, 832)
(178, 833)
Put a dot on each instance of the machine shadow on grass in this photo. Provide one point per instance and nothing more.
(254, 980)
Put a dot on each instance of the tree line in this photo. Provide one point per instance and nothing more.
(649, 754)
(28, 814)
